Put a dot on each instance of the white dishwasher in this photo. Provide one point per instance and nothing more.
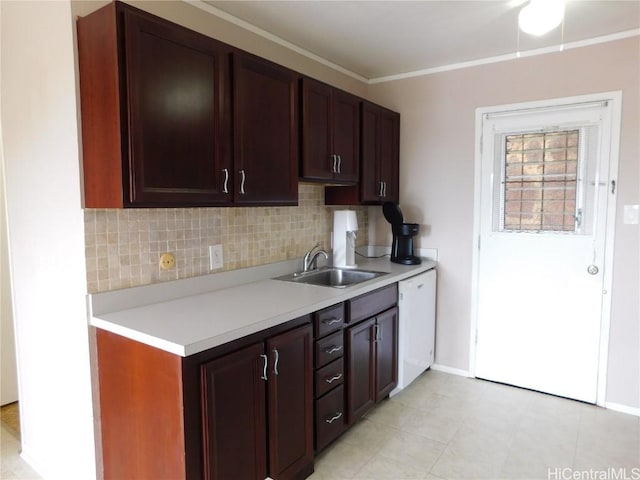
(416, 326)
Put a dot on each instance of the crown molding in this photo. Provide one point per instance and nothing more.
(507, 57)
(274, 38)
(417, 73)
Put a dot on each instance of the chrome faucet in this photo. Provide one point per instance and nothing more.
(310, 260)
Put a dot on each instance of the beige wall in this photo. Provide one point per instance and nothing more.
(437, 180)
(46, 237)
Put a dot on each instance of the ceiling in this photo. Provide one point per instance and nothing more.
(377, 39)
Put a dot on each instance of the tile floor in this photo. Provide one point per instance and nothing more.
(449, 427)
(12, 467)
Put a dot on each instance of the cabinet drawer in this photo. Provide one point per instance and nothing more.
(330, 417)
(329, 376)
(372, 303)
(329, 348)
(328, 320)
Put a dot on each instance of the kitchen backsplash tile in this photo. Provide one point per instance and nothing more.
(123, 246)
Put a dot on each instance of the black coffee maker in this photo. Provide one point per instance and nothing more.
(403, 233)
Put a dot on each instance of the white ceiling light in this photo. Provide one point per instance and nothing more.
(541, 16)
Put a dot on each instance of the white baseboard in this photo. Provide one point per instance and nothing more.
(25, 454)
(622, 408)
(451, 370)
(608, 405)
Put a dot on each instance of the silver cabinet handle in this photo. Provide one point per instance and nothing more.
(339, 164)
(380, 330)
(333, 349)
(275, 364)
(244, 177)
(334, 418)
(334, 158)
(264, 367)
(333, 379)
(226, 180)
(385, 189)
(331, 321)
(381, 189)
(377, 334)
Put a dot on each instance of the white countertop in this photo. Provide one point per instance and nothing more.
(189, 316)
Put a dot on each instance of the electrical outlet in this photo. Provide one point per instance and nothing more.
(167, 261)
(215, 257)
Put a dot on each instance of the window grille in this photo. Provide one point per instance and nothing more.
(540, 182)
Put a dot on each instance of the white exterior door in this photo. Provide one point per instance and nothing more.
(544, 189)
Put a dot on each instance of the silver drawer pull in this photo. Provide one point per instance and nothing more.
(331, 321)
(335, 162)
(334, 418)
(333, 379)
(333, 349)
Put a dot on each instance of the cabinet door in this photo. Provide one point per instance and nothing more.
(346, 135)
(386, 341)
(389, 154)
(234, 424)
(370, 183)
(360, 369)
(290, 403)
(178, 137)
(317, 162)
(265, 128)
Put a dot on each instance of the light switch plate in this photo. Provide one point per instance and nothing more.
(631, 214)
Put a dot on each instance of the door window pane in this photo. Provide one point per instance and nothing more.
(540, 182)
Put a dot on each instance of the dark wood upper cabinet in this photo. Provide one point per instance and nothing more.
(380, 154)
(265, 131)
(155, 112)
(379, 160)
(330, 134)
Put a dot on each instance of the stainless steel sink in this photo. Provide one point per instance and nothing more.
(332, 277)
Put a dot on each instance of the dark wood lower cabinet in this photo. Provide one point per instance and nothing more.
(331, 419)
(386, 353)
(238, 414)
(245, 410)
(372, 359)
(141, 410)
(241, 411)
(360, 369)
(290, 401)
(235, 424)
